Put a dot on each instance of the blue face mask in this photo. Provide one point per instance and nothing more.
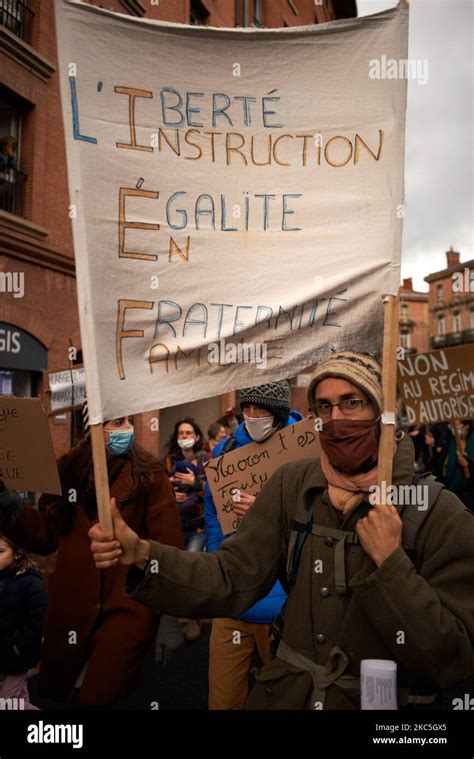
(120, 442)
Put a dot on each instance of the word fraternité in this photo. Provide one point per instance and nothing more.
(169, 340)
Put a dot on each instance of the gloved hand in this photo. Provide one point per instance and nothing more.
(169, 639)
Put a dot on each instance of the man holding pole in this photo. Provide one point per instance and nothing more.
(366, 579)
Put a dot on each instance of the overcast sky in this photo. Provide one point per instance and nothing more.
(439, 145)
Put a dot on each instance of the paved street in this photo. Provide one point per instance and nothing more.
(180, 685)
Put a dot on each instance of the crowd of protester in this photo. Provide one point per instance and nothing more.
(169, 502)
(446, 451)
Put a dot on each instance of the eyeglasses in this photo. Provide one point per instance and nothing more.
(348, 406)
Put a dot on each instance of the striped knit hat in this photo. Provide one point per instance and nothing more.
(359, 368)
(274, 396)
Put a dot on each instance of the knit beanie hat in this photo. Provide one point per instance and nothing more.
(359, 368)
(274, 396)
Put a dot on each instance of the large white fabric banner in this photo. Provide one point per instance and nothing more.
(236, 198)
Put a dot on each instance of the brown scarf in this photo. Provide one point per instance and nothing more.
(346, 491)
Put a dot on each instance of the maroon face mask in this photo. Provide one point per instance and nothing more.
(351, 445)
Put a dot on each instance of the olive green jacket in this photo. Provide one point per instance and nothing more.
(419, 613)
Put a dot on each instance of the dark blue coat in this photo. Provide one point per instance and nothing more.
(264, 610)
(22, 610)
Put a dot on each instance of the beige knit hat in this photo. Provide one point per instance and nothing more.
(359, 368)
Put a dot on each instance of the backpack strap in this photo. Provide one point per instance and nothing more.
(300, 528)
(412, 521)
(299, 531)
(343, 538)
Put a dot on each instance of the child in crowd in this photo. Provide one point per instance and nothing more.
(22, 611)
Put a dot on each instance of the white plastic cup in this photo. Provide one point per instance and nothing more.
(378, 684)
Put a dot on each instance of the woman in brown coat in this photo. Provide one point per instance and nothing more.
(95, 637)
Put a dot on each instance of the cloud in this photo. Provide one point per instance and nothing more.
(438, 164)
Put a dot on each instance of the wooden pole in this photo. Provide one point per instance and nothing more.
(389, 391)
(101, 478)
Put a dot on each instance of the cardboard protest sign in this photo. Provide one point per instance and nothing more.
(65, 390)
(27, 460)
(438, 386)
(248, 468)
(237, 198)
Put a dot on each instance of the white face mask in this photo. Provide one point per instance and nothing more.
(187, 442)
(261, 428)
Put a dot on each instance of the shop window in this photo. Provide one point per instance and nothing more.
(6, 383)
(22, 356)
(19, 383)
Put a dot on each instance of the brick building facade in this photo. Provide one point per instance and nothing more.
(413, 318)
(451, 303)
(442, 317)
(38, 305)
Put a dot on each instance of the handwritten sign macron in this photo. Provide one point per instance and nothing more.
(27, 460)
(248, 468)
